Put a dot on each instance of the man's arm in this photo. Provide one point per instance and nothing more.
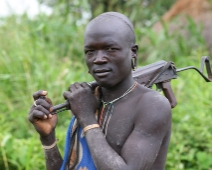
(45, 123)
(152, 123)
(142, 146)
(53, 157)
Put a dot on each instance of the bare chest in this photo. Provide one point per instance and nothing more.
(120, 125)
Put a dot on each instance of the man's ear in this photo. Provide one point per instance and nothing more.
(134, 50)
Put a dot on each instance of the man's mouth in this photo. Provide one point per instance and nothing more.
(101, 72)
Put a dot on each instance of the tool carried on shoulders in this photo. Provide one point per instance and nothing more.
(159, 73)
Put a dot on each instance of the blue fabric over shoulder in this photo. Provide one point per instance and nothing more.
(85, 158)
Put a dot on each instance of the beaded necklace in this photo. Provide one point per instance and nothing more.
(108, 107)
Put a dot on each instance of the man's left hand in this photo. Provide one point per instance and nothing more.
(83, 102)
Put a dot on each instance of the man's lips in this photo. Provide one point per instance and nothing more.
(101, 72)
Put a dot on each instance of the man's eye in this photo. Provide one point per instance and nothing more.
(111, 49)
(88, 52)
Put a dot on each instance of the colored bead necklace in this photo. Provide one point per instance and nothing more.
(108, 108)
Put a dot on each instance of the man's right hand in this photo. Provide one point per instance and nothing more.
(40, 115)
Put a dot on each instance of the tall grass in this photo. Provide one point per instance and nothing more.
(47, 53)
(34, 55)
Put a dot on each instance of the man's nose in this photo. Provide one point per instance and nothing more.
(100, 58)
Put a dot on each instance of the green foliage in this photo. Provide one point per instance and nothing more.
(140, 12)
(47, 53)
(37, 54)
(170, 46)
(190, 143)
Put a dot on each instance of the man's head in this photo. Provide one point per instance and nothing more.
(124, 24)
(109, 46)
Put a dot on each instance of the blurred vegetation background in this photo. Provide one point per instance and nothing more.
(46, 52)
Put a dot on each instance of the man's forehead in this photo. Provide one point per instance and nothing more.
(111, 17)
(105, 33)
(112, 24)
(103, 40)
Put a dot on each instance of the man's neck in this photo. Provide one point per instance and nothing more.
(111, 93)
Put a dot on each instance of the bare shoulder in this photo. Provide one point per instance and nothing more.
(149, 97)
(153, 111)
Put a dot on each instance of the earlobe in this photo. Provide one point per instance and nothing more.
(134, 63)
(134, 57)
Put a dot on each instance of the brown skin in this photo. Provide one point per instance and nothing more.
(139, 130)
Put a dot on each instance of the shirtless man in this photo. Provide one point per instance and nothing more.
(135, 122)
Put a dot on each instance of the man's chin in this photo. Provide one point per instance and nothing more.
(105, 83)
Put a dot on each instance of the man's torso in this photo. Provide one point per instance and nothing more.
(122, 122)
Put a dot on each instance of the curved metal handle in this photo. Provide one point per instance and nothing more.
(205, 61)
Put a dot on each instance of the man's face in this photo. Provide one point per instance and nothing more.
(107, 53)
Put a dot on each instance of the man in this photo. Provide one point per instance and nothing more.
(126, 125)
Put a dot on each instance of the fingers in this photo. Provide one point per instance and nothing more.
(85, 85)
(41, 107)
(41, 99)
(46, 103)
(66, 95)
(39, 93)
(39, 113)
(74, 87)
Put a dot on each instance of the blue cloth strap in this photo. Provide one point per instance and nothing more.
(85, 158)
